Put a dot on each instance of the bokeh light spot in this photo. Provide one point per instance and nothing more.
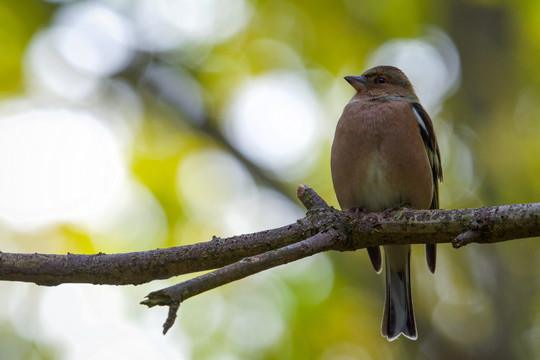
(273, 120)
(209, 180)
(431, 63)
(93, 38)
(58, 165)
(166, 24)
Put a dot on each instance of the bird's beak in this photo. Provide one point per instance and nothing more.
(359, 83)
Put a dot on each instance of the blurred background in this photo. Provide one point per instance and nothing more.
(128, 125)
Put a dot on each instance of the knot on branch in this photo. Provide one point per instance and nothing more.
(477, 226)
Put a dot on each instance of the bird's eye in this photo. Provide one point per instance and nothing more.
(381, 80)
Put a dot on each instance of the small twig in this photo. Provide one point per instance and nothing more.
(309, 198)
(474, 234)
(465, 238)
(174, 295)
(171, 316)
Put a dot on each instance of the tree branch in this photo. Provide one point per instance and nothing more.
(404, 226)
(174, 295)
(324, 228)
(144, 266)
(485, 226)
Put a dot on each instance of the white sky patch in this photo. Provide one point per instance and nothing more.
(215, 187)
(430, 62)
(134, 220)
(273, 119)
(58, 165)
(256, 323)
(210, 180)
(166, 24)
(93, 38)
(49, 75)
(93, 322)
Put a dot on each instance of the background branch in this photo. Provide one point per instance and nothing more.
(162, 82)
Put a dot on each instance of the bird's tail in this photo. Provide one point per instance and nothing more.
(398, 315)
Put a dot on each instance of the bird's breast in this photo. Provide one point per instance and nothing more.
(377, 192)
(379, 160)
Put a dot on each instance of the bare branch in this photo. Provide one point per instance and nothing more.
(174, 295)
(484, 225)
(324, 228)
(406, 226)
(144, 266)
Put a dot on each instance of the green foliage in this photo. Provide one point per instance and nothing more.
(20, 20)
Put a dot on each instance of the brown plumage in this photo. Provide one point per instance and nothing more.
(385, 155)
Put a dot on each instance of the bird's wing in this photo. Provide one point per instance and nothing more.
(432, 149)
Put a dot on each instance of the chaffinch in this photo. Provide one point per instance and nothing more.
(385, 155)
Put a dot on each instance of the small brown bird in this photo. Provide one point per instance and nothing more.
(385, 155)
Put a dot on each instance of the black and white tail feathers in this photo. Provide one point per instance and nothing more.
(398, 315)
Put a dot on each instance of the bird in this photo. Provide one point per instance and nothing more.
(385, 156)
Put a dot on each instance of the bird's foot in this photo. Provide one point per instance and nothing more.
(357, 211)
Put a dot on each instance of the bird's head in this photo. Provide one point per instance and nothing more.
(382, 81)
